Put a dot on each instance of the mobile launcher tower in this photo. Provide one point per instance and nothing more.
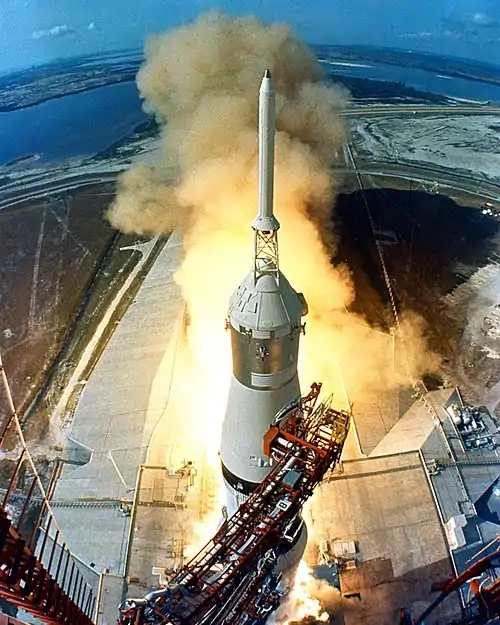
(265, 323)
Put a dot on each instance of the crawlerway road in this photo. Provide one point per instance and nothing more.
(487, 189)
(420, 109)
(59, 412)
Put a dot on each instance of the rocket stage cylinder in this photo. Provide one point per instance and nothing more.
(265, 220)
(264, 323)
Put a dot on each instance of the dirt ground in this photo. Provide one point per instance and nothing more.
(431, 244)
(59, 265)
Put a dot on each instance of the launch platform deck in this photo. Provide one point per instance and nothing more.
(120, 406)
(386, 506)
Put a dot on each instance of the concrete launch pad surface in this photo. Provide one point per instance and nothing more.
(396, 505)
(375, 413)
(408, 434)
(120, 406)
(386, 506)
(167, 510)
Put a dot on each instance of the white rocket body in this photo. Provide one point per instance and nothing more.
(265, 324)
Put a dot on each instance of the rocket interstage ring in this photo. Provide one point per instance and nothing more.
(240, 485)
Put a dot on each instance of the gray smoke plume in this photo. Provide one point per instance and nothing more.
(201, 82)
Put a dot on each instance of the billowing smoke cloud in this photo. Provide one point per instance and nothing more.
(201, 83)
(311, 601)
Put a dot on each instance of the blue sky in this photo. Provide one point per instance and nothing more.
(36, 31)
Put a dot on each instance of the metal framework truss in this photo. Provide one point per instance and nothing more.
(25, 582)
(266, 254)
(38, 573)
(232, 580)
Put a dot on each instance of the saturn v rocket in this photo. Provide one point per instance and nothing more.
(264, 320)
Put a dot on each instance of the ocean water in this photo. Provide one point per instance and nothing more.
(86, 123)
(81, 124)
(416, 78)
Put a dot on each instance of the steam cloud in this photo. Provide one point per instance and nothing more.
(201, 83)
(311, 601)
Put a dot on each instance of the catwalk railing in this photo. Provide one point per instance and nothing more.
(233, 579)
(38, 573)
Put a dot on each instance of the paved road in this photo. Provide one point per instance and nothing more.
(486, 189)
(46, 183)
(45, 188)
(59, 412)
(420, 109)
(40, 188)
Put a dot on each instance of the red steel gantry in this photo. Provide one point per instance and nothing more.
(232, 580)
(483, 608)
(38, 573)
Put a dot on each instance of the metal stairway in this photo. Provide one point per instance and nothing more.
(38, 573)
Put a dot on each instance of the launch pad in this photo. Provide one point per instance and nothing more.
(234, 578)
(265, 345)
(387, 517)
